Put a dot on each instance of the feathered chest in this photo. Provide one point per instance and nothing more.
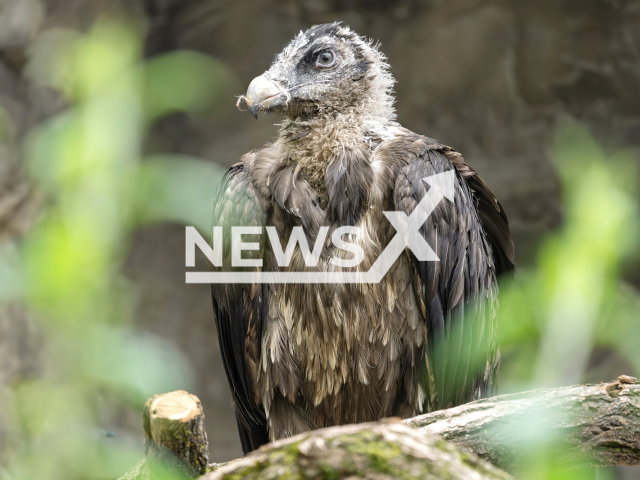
(322, 344)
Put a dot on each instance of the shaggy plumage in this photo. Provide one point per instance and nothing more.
(304, 356)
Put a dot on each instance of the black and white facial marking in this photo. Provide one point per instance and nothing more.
(326, 70)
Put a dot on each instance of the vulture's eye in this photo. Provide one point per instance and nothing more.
(326, 59)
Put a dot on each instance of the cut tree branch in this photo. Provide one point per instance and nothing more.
(175, 441)
(579, 426)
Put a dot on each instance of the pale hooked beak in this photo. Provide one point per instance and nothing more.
(261, 95)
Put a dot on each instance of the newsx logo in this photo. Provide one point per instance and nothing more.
(407, 236)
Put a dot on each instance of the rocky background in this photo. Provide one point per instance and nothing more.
(489, 77)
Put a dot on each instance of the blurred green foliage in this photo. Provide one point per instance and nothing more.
(552, 316)
(96, 187)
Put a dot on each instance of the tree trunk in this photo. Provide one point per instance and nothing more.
(590, 425)
(579, 426)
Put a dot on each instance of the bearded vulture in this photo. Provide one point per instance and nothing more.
(301, 356)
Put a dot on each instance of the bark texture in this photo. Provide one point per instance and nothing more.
(590, 425)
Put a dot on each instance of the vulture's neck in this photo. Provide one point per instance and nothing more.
(312, 144)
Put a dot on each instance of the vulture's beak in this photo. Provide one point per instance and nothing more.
(262, 94)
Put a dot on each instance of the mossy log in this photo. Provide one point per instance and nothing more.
(381, 451)
(579, 426)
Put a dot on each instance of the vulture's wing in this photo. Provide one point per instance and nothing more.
(237, 307)
(458, 294)
(494, 219)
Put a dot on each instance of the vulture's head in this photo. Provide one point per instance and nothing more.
(325, 71)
